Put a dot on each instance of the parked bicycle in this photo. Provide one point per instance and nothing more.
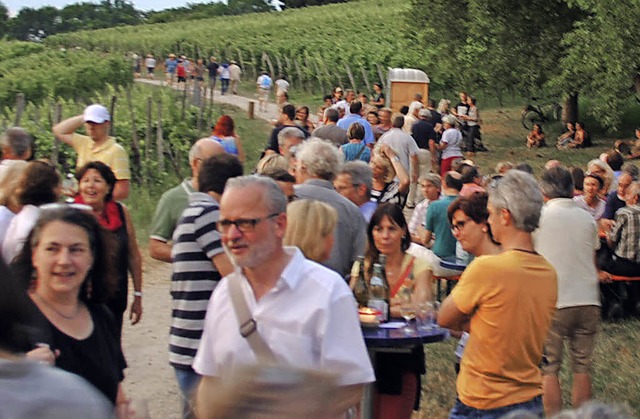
(535, 113)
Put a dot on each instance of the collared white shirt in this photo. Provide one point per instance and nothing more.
(309, 320)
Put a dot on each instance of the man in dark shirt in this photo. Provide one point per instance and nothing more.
(287, 118)
(330, 131)
(213, 73)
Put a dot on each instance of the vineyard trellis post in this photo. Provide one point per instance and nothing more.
(241, 60)
(112, 112)
(365, 77)
(297, 65)
(147, 138)
(383, 81)
(57, 117)
(350, 75)
(289, 71)
(307, 66)
(279, 64)
(319, 76)
(265, 57)
(135, 141)
(159, 140)
(20, 105)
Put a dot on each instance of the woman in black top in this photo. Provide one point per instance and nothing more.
(65, 266)
(378, 96)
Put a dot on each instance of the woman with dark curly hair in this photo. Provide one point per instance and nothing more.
(67, 271)
(95, 189)
(40, 184)
(224, 132)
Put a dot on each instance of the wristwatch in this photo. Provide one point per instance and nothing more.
(137, 293)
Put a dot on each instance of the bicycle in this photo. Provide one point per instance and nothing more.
(540, 113)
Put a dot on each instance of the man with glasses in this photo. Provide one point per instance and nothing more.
(198, 263)
(354, 182)
(304, 312)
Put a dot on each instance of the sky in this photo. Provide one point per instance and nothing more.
(15, 5)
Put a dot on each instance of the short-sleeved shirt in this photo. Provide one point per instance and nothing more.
(169, 210)
(613, 204)
(213, 70)
(422, 131)
(511, 299)
(110, 153)
(170, 65)
(333, 133)
(402, 144)
(345, 122)
(437, 222)
(195, 242)
(626, 233)
(453, 138)
(308, 319)
(596, 212)
(97, 358)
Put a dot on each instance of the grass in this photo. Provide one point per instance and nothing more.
(616, 359)
(616, 366)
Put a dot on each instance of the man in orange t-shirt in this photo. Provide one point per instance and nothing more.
(508, 301)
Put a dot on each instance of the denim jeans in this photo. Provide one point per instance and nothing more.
(460, 410)
(187, 382)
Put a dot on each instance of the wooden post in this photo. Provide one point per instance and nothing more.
(365, 77)
(202, 104)
(135, 142)
(326, 71)
(112, 110)
(279, 64)
(269, 63)
(351, 79)
(57, 117)
(295, 62)
(147, 137)
(159, 141)
(195, 97)
(383, 80)
(20, 104)
(252, 107)
(184, 103)
(289, 71)
(307, 66)
(319, 76)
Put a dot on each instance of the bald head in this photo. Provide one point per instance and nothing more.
(202, 150)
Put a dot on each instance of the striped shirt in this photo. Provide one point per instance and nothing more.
(626, 233)
(195, 242)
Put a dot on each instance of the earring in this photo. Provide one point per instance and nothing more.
(484, 230)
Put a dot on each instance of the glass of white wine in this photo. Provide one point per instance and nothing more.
(407, 309)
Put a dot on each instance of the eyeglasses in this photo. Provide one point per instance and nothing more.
(245, 225)
(459, 225)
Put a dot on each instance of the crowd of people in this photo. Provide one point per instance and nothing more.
(262, 264)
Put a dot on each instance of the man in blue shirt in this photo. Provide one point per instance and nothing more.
(356, 116)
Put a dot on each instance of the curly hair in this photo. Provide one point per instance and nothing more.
(38, 184)
(101, 280)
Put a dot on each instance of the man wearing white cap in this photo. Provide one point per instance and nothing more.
(97, 145)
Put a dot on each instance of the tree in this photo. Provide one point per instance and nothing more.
(4, 19)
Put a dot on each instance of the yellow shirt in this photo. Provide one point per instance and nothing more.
(110, 153)
(511, 299)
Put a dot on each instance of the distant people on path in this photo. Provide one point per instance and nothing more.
(263, 89)
(282, 85)
(198, 264)
(175, 200)
(97, 145)
(95, 189)
(488, 298)
(577, 318)
(150, 64)
(224, 132)
(212, 68)
(170, 66)
(17, 145)
(225, 77)
(278, 282)
(235, 73)
(318, 163)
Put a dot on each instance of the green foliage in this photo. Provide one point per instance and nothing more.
(42, 73)
(292, 4)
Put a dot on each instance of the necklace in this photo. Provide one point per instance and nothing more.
(64, 316)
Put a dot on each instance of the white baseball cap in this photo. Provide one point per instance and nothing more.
(97, 114)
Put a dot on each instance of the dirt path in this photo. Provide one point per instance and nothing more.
(149, 376)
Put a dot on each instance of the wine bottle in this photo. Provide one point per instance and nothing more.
(361, 291)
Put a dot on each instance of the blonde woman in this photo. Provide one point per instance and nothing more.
(310, 227)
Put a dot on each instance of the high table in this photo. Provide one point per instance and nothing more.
(379, 340)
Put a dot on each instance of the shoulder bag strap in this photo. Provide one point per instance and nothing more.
(364, 146)
(248, 326)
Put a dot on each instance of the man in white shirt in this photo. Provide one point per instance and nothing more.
(572, 254)
(304, 312)
(235, 72)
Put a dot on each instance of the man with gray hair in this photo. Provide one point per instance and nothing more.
(572, 254)
(330, 131)
(304, 312)
(174, 201)
(317, 166)
(17, 145)
(354, 182)
(288, 138)
(508, 300)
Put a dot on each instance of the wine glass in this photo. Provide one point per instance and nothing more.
(407, 309)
